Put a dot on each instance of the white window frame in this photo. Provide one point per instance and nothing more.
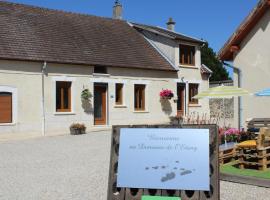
(187, 92)
(14, 92)
(73, 97)
(146, 100)
(196, 55)
(123, 105)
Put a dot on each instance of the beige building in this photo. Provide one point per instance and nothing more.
(249, 50)
(49, 59)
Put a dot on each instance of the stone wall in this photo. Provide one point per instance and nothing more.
(221, 107)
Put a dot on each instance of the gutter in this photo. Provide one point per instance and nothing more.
(43, 71)
(240, 100)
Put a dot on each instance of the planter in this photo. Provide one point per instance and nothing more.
(176, 120)
(165, 98)
(77, 131)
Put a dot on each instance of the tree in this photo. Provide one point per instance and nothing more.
(209, 58)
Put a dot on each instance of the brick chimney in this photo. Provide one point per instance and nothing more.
(171, 24)
(117, 10)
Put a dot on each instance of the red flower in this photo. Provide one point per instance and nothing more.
(166, 93)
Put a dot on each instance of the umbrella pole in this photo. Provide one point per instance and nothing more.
(225, 137)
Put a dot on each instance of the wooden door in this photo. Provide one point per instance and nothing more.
(5, 107)
(100, 104)
(180, 100)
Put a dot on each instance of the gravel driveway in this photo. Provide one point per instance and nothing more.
(73, 168)
(55, 168)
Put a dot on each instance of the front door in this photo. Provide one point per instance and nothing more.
(100, 104)
(180, 99)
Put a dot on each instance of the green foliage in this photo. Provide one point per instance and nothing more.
(86, 94)
(209, 58)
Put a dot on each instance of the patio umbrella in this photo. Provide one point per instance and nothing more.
(263, 93)
(222, 92)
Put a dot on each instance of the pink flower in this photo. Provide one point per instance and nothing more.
(166, 93)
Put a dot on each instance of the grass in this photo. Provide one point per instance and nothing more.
(231, 168)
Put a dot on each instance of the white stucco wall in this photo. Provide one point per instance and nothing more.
(187, 74)
(254, 61)
(26, 78)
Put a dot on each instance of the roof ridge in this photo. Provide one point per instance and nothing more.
(169, 31)
(180, 33)
(56, 10)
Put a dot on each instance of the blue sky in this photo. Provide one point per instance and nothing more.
(212, 20)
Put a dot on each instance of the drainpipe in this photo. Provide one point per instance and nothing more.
(43, 71)
(240, 100)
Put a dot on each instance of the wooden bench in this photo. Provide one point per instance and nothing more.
(255, 153)
(226, 155)
(258, 123)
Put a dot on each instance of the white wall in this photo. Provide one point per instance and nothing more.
(26, 77)
(187, 74)
(254, 61)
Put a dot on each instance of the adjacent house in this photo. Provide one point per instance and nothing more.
(48, 58)
(183, 52)
(249, 50)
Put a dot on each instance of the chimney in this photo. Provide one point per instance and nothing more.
(117, 10)
(171, 24)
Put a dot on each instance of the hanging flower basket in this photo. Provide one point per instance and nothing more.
(86, 94)
(166, 94)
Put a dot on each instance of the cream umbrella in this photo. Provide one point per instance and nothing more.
(222, 92)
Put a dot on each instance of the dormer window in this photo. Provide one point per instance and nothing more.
(187, 55)
(100, 70)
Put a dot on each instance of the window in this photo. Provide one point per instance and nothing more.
(63, 96)
(139, 97)
(193, 90)
(119, 94)
(187, 55)
(100, 70)
(5, 107)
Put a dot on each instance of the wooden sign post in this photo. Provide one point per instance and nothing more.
(124, 193)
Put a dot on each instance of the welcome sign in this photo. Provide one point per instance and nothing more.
(164, 158)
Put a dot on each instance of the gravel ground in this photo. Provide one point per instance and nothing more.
(55, 168)
(73, 168)
(235, 191)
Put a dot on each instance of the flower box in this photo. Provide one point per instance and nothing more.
(77, 129)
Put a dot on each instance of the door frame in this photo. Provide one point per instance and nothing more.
(14, 92)
(183, 97)
(104, 85)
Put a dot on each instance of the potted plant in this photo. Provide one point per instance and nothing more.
(166, 94)
(86, 94)
(77, 129)
(179, 120)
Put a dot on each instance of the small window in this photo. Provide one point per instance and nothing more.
(100, 70)
(139, 97)
(193, 91)
(119, 94)
(187, 55)
(63, 96)
(5, 107)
